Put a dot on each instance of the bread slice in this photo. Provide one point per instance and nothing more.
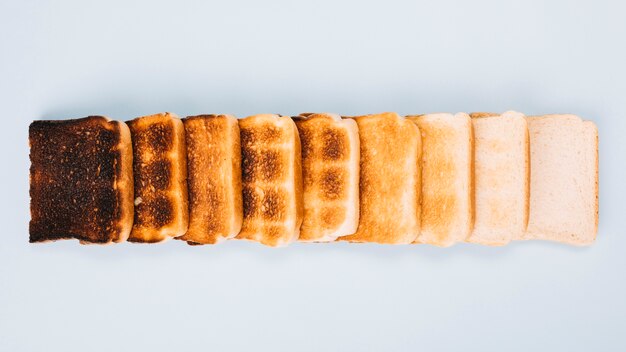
(271, 180)
(214, 180)
(447, 195)
(81, 180)
(160, 172)
(389, 180)
(563, 179)
(501, 177)
(330, 171)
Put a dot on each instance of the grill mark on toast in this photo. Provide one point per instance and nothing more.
(158, 174)
(333, 216)
(271, 168)
(272, 205)
(159, 138)
(334, 144)
(332, 184)
(250, 201)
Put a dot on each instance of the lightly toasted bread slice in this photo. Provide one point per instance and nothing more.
(81, 180)
(447, 143)
(563, 179)
(501, 177)
(160, 173)
(214, 178)
(330, 172)
(271, 180)
(389, 180)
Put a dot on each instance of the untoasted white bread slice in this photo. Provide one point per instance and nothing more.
(501, 177)
(330, 172)
(389, 180)
(160, 174)
(563, 179)
(272, 180)
(214, 178)
(447, 144)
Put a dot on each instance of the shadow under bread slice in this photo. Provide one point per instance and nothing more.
(214, 178)
(160, 175)
(81, 181)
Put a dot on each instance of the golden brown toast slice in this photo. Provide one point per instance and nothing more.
(330, 171)
(389, 180)
(160, 172)
(501, 177)
(271, 180)
(81, 180)
(214, 178)
(447, 196)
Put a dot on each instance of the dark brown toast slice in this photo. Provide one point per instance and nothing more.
(81, 181)
(214, 178)
(160, 174)
(271, 180)
(330, 173)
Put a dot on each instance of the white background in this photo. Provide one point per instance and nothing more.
(68, 59)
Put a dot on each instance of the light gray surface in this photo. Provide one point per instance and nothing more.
(68, 59)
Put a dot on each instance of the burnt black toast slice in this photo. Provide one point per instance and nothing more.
(81, 181)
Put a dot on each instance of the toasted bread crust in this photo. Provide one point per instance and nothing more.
(389, 180)
(271, 180)
(80, 180)
(214, 178)
(125, 182)
(477, 115)
(160, 171)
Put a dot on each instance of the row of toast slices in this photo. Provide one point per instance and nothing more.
(436, 179)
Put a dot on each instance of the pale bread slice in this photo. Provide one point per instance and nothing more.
(389, 180)
(271, 180)
(214, 178)
(330, 172)
(446, 195)
(160, 175)
(563, 179)
(501, 177)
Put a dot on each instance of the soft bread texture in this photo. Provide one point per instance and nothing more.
(389, 180)
(446, 188)
(214, 178)
(271, 180)
(501, 177)
(81, 180)
(563, 179)
(330, 172)
(160, 174)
